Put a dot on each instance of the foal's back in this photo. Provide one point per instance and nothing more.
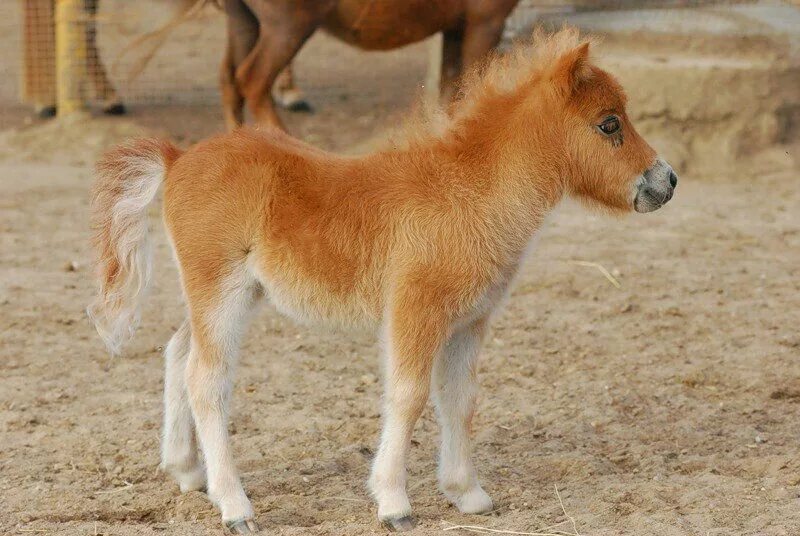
(311, 227)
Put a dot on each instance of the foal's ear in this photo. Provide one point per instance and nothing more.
(572, 68)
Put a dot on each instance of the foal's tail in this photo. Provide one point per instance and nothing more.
(127, 181)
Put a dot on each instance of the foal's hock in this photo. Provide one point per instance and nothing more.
(421, 242)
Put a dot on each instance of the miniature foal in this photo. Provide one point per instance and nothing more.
(420, 241)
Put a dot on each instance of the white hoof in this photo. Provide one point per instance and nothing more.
(235, 507)
(474, 501)
(392, 505)
(192, 480)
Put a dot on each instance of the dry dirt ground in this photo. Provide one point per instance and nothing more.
(668, 406)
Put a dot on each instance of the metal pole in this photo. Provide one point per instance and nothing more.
(70, 56)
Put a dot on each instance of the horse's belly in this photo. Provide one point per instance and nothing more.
(314, 305)
(387, 24)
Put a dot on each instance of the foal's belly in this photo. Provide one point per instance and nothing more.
(313, 303)
(387, 24)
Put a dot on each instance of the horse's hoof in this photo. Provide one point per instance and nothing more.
(475, 501)
(189, 487)
(115, 108)
(400, 524)
(46, 112)
(242, 526)
(301, 106)
(193, 480)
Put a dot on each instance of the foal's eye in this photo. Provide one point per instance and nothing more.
(609, 126)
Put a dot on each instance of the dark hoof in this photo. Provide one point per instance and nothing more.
(242, 526)
(301, 106)
(46, 112)
(400, 524)
(116, 108)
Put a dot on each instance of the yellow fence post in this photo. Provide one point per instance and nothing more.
(70, 56)
(38, 78)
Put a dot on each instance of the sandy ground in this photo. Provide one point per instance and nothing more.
(668, 406)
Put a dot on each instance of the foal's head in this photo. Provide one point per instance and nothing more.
(568, 117)
(609, 162)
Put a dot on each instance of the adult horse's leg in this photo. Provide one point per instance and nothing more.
(242, 36)
(288, 94)
(455, 389)
(469, 42)
(452, 43)
(103, 89)
(283, 30)
(484, 29)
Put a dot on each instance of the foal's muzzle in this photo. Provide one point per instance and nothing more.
(655, 187)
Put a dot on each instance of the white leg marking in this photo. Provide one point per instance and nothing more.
(455, 389)
(404, 400)
(179, 454)
(388, 480)
(209, 378)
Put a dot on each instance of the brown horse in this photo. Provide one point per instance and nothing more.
(264, 36)
(420, 242)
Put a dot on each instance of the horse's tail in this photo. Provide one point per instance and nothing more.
(128, 179)
(156, 38)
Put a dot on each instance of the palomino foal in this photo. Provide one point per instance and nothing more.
(420, 241)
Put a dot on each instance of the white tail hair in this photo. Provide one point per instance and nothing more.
(128, 179)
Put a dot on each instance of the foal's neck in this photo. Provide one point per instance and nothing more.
(485, 170)
(510, 158)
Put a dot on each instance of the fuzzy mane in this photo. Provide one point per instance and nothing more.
(504, 73)
(499, 73)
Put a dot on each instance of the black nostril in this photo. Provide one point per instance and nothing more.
(673, 179)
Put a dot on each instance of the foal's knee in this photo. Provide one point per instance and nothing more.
(207, 384)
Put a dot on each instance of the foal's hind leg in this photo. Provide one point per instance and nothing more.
(218, 321)
(179, 454)
(455, 390)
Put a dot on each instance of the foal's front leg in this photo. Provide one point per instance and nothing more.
(455, 390)
(411, 344)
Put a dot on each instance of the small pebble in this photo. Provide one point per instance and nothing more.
(368, 378)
